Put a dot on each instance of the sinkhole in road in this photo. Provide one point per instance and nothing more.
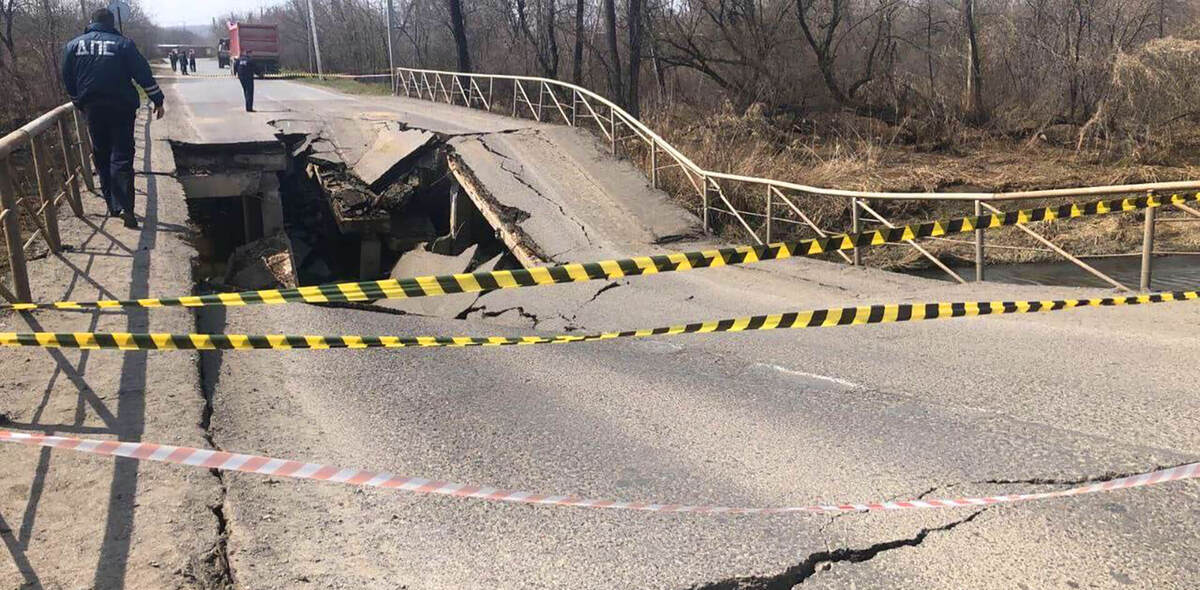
(292, 212)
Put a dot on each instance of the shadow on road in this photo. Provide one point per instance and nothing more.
(128, 422)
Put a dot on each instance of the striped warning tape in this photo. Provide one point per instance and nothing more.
(845, 316)
(431, 286)
(210, 459)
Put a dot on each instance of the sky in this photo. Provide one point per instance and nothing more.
(170, 13)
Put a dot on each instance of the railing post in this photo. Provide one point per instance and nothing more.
(41, 167)
(74, 170)
(855, 227)
(541, 99)
(770, 198)
(704, 201)
(491, 82)
(978, 244)
(612, 123)
(516, 85)
(85, 149)
(653, 164)
(12, 237)
(1148, 244)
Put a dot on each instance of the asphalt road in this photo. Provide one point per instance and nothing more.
(953, 408)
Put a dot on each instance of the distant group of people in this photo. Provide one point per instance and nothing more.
(181, 62)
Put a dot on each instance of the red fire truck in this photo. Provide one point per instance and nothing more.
(262, 41)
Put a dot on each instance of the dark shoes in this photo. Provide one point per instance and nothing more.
(130, 219)
(114, 213)
(249, 110)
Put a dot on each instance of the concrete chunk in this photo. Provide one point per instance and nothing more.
(420, 263)
(390, 150)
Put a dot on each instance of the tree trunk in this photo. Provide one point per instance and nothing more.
(614, 57)
(577, 65)
(973, 103)
(459, 27)
(551, 40)
(635, 56)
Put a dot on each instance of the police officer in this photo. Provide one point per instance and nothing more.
(244, 68)
(97, 68)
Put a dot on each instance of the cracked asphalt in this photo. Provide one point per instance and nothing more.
(954, 408)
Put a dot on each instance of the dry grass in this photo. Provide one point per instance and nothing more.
(850, 152)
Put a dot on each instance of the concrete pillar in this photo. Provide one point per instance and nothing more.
(370, 257)
(460, 213)
(272, 204)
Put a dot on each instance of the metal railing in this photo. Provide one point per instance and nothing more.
(58, 174)
(556, 101)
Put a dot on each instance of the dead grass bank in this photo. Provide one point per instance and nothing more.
(848, 152)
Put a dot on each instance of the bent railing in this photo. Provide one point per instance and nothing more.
(547, 100)
(57, 173)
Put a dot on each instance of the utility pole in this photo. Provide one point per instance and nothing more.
(391, 56)
(312, 24)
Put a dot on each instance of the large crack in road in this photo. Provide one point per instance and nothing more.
(824, 560)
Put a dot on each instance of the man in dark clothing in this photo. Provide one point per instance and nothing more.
(192, 59)
(97, 67)
(244, 68)
(174, 59)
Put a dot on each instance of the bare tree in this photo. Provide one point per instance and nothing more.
(577, 53)
(614, 56)
(634, 21)
(973, 102)
(458, 27)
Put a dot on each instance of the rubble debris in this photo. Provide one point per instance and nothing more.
(262, 264)
(384, 162)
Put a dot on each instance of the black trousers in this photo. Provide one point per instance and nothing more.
(113, 150)
(248, 90)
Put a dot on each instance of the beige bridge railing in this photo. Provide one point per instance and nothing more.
(547, 100)
(58, 174)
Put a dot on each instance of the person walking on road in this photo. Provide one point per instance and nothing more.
(192, 59)
(97, 67)
(174, 55)
(244, 68)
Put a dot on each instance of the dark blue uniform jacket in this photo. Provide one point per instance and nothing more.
(97, 68)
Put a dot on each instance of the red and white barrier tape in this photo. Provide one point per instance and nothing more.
(210, 459)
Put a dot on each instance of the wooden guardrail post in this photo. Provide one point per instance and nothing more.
(1148, 245)
(704, 200)
(855, 227)
(41, 168)
(979, 265)
(12, 236)
(73, 170)
(85, 149)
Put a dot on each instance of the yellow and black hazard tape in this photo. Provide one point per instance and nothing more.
(613, 269)
(845, 316)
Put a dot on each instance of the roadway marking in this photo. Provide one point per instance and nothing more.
(795, 373)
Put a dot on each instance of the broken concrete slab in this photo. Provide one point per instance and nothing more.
(419, 263)
(225, 184)
(378, 165)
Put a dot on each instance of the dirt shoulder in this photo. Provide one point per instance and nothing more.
(75, 521)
